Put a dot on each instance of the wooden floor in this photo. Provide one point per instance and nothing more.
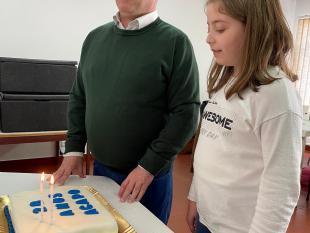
(300, 222)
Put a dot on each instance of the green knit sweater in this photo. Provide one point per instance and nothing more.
(136, 96)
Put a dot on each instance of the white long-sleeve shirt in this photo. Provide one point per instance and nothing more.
(247, 159)
(137, 23)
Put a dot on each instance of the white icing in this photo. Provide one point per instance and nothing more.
(25, 221)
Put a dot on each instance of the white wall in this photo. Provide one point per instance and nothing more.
(302, 8)
(55, 29)
(27, 150)
(294, 9)
(289, 7)
(48, 29)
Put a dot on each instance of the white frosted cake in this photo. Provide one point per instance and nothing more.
(75, 210)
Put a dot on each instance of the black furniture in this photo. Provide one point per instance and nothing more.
(34, 94)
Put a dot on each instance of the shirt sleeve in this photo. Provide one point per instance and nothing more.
(279, 188)
(183, 108)
(72, 154)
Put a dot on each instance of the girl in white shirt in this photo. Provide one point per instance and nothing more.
(248, 155)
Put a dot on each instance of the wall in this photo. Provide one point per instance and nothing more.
(302, 8)
(289, 7)
(27, 150)
(55, 29)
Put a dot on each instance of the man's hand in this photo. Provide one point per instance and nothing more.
(70, 165)
(191, 215)
(134, 186)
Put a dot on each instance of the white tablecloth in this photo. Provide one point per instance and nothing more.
(142, 220)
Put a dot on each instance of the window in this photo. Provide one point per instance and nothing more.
(301, 61)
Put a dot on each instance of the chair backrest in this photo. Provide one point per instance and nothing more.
(305, 176)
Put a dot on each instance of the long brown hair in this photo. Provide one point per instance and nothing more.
(268, 41)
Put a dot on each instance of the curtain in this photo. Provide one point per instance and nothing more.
(301, 59)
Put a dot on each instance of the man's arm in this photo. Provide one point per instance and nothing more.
(183, 106)
(76, 135)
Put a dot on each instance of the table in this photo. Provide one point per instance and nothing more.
(142, 220)
(32, 137)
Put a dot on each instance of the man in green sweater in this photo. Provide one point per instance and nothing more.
(135, 102)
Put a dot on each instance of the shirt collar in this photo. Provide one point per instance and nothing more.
(137, 23)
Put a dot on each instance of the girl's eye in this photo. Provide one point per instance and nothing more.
(220, 30)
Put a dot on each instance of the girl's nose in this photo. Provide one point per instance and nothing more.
(209, 39)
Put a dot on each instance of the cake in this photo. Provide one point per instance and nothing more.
(75, 210)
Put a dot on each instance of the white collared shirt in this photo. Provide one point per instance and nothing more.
(137, 23)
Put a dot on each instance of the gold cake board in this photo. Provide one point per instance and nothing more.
(123, 225)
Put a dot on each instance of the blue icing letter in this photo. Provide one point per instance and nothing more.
(86, 207)
(92, 211)
(77, 196)
(66, 213)
(82, 202)
(57, 195)
(58, 200)
(62, 206)
(38, 210)
(74, 191)
(35, 203)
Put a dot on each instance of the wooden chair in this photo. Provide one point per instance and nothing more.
(305, 179)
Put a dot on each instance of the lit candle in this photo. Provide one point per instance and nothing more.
(52, 181)
(42, 195)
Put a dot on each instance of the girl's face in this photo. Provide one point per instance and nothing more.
(226, 36)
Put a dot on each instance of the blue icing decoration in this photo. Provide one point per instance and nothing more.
(38, 210)
(92, 211)
(74, 191)
(35, 203)
(86, 207)
(58, 200)
(9, 220)
(77, 196)
(82, 202)
(66, 213)
(57, 195)
(62, 206)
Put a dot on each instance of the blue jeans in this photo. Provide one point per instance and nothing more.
(200, 228)
(158, 196)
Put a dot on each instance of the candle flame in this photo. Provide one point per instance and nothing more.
(52, 180)
(42, 177)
